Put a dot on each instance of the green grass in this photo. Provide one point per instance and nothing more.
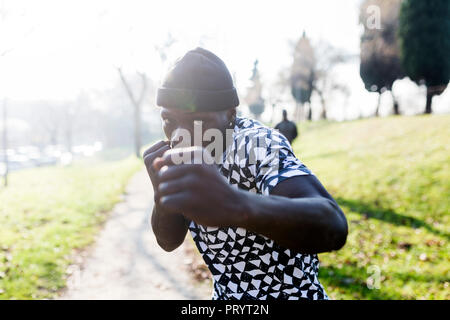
(391, 177)
(46, 215)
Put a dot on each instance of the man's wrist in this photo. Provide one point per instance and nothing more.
(243, 208)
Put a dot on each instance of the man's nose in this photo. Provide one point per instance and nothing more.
(180, 138)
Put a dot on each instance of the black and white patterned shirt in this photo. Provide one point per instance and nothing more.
(244, 264)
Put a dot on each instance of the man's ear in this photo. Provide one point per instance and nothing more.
(231, 114)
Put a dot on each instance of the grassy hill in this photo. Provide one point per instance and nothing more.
(391, 177)
(46, 215)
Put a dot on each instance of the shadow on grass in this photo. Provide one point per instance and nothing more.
(419, 277)
(352, 281)
(389, 215)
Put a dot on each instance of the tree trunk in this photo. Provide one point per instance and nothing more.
(377, 110)
(396, 106)
(323, 115)
(137, 130)
(69, 140)
(69, 133)
(297, 112)
(137, 103)
(309, 113)
(430, 94)
(272, 118)
(54, 137)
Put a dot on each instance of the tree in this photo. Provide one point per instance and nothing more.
(162, 49)
(380, 58)
(302, 74)
(425, 44)
(136, 101)
(50, 120)
(5, 50)
(277, 90)
(327, 58)
(138, 96)
(75, 117)
(254, 100)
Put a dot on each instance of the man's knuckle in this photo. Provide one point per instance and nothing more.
(154, 147)
(147, 160)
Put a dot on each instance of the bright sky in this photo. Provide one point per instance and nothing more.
(61, 47)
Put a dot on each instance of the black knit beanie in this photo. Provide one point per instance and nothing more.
(199, 81)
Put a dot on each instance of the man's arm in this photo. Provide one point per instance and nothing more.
(299, 215)
(169, 228)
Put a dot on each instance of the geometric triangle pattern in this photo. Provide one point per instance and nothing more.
(246, 265)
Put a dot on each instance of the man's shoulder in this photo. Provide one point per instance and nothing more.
(253, 134)
(246, 127)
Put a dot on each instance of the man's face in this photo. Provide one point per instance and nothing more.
(174, 119)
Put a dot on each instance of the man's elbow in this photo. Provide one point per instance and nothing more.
(339, 227)
(340, 237)
(168, 247)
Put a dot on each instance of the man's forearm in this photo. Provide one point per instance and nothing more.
(169, 228)
(306, 225)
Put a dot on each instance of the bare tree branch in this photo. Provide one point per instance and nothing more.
(127, 87)
(137, 103)
(143, 77)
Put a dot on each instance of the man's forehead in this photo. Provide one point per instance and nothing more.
(185, 113)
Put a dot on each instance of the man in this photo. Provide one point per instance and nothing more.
(287, 128)
(258, 216)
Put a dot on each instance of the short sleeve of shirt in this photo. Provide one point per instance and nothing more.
(275, 162)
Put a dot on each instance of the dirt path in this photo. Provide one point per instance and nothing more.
(126, 262)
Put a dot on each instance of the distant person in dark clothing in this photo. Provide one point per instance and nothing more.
(287, 128)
